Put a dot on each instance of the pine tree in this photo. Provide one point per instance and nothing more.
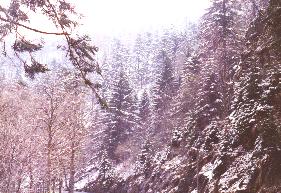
(144, 115)
(208, 107)
(106, 173)
(145, 159)
(115, 62)
(144, 108)
(189, 77)
(163, 92)
(142, 59)
(121, 116)
(221, 38)
(165, 87)
(170, 43)
(105, 169)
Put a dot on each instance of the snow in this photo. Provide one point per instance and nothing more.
(259, 49)
(89, 178)
(209, 174)
(194, 191)
(252, 120)
(208, 169)
(174, 163)
(125, 170)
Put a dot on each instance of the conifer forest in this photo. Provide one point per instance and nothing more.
(131, 96)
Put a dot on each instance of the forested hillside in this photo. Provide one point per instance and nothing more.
(172, 110)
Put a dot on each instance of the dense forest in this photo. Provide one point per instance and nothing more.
(189, 110)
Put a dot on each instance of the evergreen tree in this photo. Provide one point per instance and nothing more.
(144, 127)
(144, 108)
(170, 44)
(118, 61)
(208, 105)
(121, 116)
(106, 176)
(221, 38)
(165, 87)
(145, 159)
(105, 169)
(164, 90)
(142, 59)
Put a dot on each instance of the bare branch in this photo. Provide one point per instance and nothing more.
(33, 29)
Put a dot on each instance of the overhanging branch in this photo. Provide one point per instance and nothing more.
(33, 29)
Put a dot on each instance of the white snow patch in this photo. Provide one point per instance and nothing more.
(125, 169)
(89, 178)
(252, 120)
(208, 169)
(172, 163)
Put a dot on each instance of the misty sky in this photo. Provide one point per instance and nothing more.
(119, 16)
(114, 17)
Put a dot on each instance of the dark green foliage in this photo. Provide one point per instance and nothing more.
(176, 138)
(121, 116)
(34, 4)
(26, 46)
(274, 19)
(15, 12)
(107, 181)
(192, 65)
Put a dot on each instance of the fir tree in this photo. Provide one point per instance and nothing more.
(142, 56)
(209, 103)
(145, 159)
(144, 108)
(144, 127)
(165, 87)
(105, 168)
(221, 38)
(164, 91)
(121, 116)
(106, 174)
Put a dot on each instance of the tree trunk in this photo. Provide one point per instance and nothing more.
(72, 169)
(31, 180)
(19, 186)
(49, 162)
(65, 178)
(60, 186)
(54, 185)
(10, 171)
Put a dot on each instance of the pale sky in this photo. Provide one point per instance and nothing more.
(112, 17)
(123, 16)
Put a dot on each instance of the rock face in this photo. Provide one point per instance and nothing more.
(242, 153)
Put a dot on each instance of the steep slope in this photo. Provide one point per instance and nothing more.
(237, 153)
